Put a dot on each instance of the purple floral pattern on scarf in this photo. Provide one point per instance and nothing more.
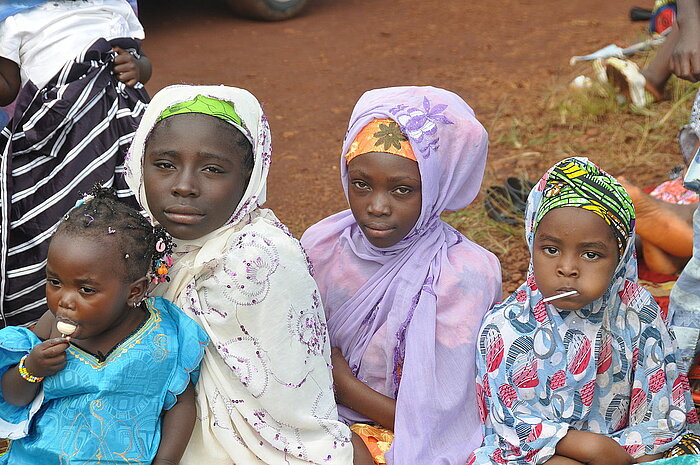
(398, 314)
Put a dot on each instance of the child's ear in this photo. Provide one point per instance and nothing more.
(137, 290)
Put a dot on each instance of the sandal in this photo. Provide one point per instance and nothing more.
(518, 190)
(628, 81)
(499, 205)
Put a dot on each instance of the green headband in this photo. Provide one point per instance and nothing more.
(574, 183)
(206, 106)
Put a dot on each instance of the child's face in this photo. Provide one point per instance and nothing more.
(384, 191)
(85, 288)
(193, 174)
(574, 249)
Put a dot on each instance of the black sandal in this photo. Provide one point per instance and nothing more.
(499, 205)
(518, 190)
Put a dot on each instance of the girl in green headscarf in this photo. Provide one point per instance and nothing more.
(198, 166)
(577, 366)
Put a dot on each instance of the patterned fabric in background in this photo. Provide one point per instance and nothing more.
(672, 191)
(662, 16)
(62, 140)
(688, 445)
(377, 439)
(609, 368)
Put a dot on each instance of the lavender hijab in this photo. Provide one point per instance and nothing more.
(407, 317)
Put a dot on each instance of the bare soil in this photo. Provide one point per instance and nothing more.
(504, 57)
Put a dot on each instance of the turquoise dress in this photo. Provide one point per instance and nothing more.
(103, 411)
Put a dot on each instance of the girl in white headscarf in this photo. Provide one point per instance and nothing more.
(198, 166)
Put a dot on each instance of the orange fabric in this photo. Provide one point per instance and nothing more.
(381, 135)
(377, 439)
(4, 446)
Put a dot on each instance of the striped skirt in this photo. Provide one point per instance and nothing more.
(62, 140)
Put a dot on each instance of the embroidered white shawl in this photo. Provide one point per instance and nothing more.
(265, 392)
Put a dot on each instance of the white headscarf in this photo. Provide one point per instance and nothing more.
(265, 392)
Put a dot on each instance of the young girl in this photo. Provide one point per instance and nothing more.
(404, 293)
(577, 365)
(107, 376)
(76, 69)
(199, 165)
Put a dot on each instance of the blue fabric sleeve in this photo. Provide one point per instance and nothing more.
(192, 340)
(659, 384)
(16, 342)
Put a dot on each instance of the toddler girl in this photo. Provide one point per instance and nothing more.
(404, 293)
(107, 376)
(577, 365)
(199, 166)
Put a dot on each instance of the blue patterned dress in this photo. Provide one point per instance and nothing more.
(107, 412)
(610, 368)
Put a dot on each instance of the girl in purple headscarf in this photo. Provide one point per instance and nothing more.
(404, 293)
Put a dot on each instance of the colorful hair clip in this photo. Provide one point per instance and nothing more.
(162, 260)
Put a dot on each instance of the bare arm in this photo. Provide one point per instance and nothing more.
(354, 394)
(10, 81)
(685, 60)
(592, 449)
(178, 423)
(45, 359)
(561, 460)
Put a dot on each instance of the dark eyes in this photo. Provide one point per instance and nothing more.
(53, 282)
(588, 255)
(166, 165)
(550, 250)
(401, 190)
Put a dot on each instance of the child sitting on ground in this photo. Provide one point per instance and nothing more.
(76, 68)
(577, 365)
(107, 375)
(404, 292)
(199, 166)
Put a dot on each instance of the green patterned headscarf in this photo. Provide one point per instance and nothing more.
(577, 183)
(206, 106)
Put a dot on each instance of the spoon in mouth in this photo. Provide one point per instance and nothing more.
(559, 296)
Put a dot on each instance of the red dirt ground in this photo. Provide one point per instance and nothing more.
(310, 71)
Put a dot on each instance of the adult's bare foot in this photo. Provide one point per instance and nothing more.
(659, 261)
(666, 225)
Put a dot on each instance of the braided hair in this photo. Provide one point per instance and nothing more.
(100, 215)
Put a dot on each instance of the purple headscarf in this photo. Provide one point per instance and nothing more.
(407, 317)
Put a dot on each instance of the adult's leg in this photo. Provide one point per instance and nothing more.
(658, 71)
(667, 226)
